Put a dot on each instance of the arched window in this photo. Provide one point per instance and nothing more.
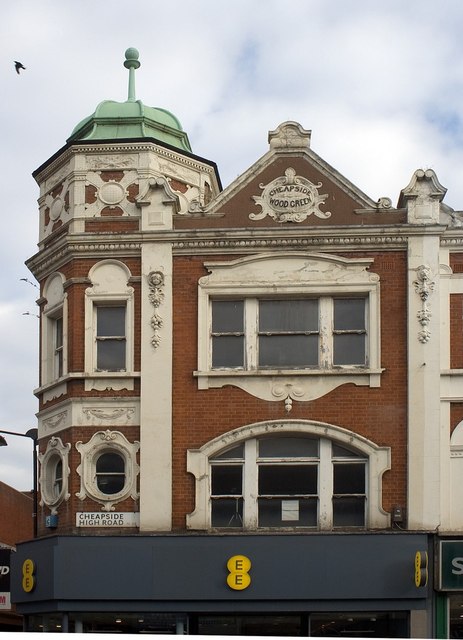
(294, 479)
(289, 474)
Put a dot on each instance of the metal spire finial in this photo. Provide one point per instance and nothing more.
(131, 63)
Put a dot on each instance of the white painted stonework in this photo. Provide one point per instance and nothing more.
(156, 394)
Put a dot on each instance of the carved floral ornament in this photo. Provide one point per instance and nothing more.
(156, 296)
(290, 198)
(424, 286)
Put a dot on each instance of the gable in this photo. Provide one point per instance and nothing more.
(292, 186)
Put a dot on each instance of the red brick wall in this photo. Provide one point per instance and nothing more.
(15, 515)
(378, 414)
(456, 331)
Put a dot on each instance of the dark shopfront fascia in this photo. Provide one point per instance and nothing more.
(225, 584)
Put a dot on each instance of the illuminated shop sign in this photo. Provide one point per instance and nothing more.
(451, 565)
(5, 602)
(238, 573)
(108, 520)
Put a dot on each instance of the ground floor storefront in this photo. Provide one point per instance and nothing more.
(275, 585)
(449, 584)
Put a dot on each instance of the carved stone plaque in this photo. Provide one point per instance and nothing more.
(290, 198)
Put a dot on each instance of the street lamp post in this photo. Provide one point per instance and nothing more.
(33, 435)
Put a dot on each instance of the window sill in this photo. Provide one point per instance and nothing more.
(277, 385)
(98, 380)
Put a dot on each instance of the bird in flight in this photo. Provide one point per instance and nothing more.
(18, 66)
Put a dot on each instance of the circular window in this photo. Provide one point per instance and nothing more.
(110, 473)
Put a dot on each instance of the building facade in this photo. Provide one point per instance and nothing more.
(16, 524)
(251, 416)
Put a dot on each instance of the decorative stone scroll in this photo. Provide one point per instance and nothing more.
(424, 285)
(156, 296)
(290, 198)
(288, 392)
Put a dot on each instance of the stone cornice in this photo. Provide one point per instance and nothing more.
(67, 153)
(245, 241)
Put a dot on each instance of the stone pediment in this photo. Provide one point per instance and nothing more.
(291, 184)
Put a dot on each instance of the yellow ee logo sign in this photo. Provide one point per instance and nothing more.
(238, 578)
(421, 568)
(28, 575)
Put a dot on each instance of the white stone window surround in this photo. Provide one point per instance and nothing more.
(107, 442)
(54, 308)
(110, 288)
(292, 275)
(56, 453)
(378, 462)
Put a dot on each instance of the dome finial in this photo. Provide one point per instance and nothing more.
(131, 63)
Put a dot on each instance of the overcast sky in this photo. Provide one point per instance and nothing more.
(380, 84)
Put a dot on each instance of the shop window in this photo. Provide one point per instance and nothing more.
(305, 474)
(108, 469)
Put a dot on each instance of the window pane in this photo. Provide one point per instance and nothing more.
(110, 473)
(112, 462)
(349, 512)
(227, 512)
(274, 512)
(287, 480)
(288, 351)
(343, 452)
(58, 478)
(226, 480)
(111, 355)
(227, 316)
(288, 448)
(58, 333)
(109, 484)
(288, 315)
(234, 452)
(228, 351)
(349, 348)
(111, 321)
(348, 478)
(349, 313)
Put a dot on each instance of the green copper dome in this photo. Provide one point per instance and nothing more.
(131, 119)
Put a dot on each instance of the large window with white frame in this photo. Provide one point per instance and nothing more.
(288, 481)
(109, 326)
(304, 332)
(54, 330)
(288, 474)
(110, 337)
(289, 317)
